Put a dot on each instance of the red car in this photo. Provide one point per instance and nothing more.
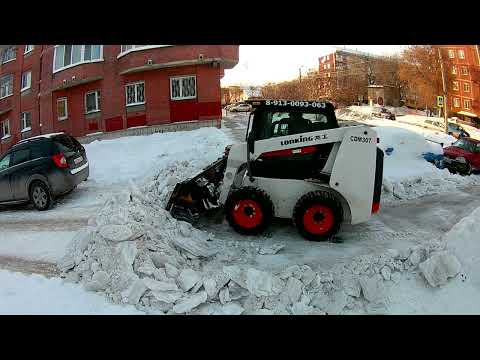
(463, 156)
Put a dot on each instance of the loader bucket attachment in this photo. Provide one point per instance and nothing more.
(193, 197)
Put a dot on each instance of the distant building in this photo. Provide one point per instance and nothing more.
(464, 90)
(344, 63)
(384, 95)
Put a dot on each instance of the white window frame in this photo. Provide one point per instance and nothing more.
(23, 121)
(66, 109)
(466, 72)
(456, 102)
(451, 54)
(6, 135)
(181, 89)
(469, 87)
(455, 85)
(97, 101)
(138, 48)
(462, 56)
(28, 49)
(8, 49)
(136, 94)
(454, 69)
(82, 58)
(10, 88)
(469, 107)
(29, 81)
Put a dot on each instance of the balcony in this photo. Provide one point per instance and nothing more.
(157, 57)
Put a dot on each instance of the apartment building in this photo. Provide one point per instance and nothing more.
(464, 90)
(83, 89)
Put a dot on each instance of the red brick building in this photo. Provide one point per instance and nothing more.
(464, 90)
(84, 89)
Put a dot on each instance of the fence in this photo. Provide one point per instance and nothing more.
(149, 130)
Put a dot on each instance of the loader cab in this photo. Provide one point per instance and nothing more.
(278, 118)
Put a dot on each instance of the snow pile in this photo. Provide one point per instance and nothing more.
(136, 253)
(135, 157)
(407, 175)
(463, 240)
(448, 281)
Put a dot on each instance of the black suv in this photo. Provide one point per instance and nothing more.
(41, 169)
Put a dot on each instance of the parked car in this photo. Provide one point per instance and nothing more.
(453, 129)
(241, 107)
(383, 113)
(463, 156)
(42, 168)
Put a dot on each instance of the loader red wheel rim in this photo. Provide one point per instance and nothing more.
(318, 219)
(247, 214)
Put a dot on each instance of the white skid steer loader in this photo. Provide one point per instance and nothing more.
(296, 163)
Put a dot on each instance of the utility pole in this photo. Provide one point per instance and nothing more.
(444, 83)
(300, 73)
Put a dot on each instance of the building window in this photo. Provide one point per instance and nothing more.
(466, 87)
(28, 48)
(451, 54)
(454, 70)
(467, 104)
(324, 66)
(5, 128)
(464, 70)
(92, 102)
(70, 55)
(6, 86)
(328, 66)
(455, 85)
(328, 57)
(461, 54)
(135, 93)
(183, 87)
(62, 109)
(26, 121)
(26, 80)
(9, 54)
(125, 49)
(456, 102)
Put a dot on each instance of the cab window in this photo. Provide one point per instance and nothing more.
(268, 124)
(5, 162)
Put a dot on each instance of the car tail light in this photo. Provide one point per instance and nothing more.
(60, 161)
(375, 207)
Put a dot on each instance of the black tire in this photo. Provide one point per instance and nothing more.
(468, 169)
(249, 210)
(40, 196)
(325, 213)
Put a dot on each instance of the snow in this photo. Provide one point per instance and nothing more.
(46, 246)
(36, 295)
(460, 295)
(138, 157)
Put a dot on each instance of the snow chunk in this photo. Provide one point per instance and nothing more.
(190, 303)
(439, 268)
(261, 283)
(373, 288)
(187, 279)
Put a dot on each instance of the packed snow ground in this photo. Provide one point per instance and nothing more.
(217, 271)
(36, 295)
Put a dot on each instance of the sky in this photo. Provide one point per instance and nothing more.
(259, 64)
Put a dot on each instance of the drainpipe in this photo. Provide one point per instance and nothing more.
(39, 88)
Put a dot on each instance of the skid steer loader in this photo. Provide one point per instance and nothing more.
(297, 163)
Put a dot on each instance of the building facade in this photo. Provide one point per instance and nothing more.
(343, 65)
(464, 89)
(84, 89)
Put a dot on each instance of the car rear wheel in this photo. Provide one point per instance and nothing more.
(40, 196)
(318, 216)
